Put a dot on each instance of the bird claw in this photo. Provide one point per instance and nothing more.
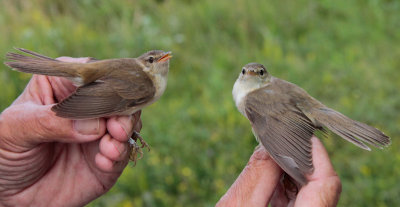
(135, 149)
(136, 136)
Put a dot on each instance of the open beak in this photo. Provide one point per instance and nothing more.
(165, 57)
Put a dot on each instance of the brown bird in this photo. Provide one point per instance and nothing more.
(284, 117)
(105, 87)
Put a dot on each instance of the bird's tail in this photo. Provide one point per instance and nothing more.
(40, 64)
(353, 131)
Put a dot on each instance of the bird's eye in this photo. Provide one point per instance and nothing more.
(243, 71)
(261, 72)
(151, 59)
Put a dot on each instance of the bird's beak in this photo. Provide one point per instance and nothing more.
(165, 57)
(252, 73)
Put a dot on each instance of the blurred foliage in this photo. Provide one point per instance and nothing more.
(345, 53)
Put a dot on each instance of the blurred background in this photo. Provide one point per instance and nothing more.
(344, 53)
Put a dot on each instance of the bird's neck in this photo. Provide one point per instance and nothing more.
(240, 90)
(159, 76)
(160, 83)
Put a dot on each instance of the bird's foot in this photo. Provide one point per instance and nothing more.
(136, 151)
(136, 136)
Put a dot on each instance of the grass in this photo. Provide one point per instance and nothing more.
(344, 53)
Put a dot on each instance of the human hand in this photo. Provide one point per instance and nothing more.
(258, 184)
(46, 160)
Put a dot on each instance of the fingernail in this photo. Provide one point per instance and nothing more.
(87, 126)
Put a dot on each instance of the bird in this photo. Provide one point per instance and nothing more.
(284, 117)
(105, 88)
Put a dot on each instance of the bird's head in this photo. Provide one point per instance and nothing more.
(156, 61)
(255, 73)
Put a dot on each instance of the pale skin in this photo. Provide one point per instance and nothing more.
(46, 160)
(259, 183)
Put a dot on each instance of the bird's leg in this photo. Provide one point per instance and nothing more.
(136, 136)
(135, 149)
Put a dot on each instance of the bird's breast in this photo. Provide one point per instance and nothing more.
(240, 91)
(160, 83)
(238, 94)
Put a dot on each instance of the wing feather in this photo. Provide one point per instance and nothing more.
(90, 101)
(283, 130)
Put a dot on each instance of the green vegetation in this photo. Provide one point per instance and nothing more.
(345, 53)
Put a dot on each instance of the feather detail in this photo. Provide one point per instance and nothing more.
(353, 131)
(40, 64)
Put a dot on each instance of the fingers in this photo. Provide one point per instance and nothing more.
(62, 87)
(256, 184)
(38, 91)
(113, 155)
(324, 185)
(114, 148)
(322, 163)
(29, 124)
(122, 127)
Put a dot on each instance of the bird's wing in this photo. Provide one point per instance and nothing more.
(125, 76)
(283, 130)
(102, 98)
(123, 86)
(132, 84)
(90, 101)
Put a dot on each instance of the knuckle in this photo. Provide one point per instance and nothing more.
(260, 154)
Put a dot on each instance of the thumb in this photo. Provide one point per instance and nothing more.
(256, 184)
(30, 124)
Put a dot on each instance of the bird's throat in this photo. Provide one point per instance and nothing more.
(240, 91)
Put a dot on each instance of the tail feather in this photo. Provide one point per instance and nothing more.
(39, 64)
(353, 131)
(35, 54)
